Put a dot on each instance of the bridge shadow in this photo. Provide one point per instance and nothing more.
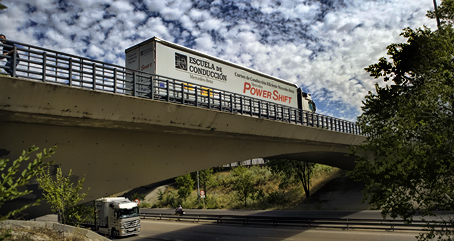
(173, 229)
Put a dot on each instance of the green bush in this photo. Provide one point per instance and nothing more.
(144, 205)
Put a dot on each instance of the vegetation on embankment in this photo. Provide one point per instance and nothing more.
(256, 187)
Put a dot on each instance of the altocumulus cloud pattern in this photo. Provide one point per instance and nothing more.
(321, 45)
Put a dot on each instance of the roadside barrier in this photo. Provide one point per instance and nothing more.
(333, 223)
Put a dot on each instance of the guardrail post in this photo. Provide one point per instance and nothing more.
(250, 107)
(267, 110)
(134, 84)
(196, 96)
(209, 99)
(44, 66)
(94, 76)
(115, 81)
(241, 105)
(347, 223)
(220, 101)
(260, 109)
(168, 90)
(13, 67)
(231, 103)
(182, 93)
(70, 71)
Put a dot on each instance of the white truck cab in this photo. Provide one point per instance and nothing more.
(117, 216)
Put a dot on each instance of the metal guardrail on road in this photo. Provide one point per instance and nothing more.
(336, 223)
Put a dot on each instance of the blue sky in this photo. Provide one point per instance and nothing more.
(321, 45)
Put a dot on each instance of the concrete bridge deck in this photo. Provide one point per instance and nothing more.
(120, 142)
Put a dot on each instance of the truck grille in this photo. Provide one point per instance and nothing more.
(131, 224)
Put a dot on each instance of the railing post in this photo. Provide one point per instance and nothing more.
(251, 107)
(268, 110)
(241, 105)
(115, 81)
(282, 113)
(209, 99)
(13, 67)
(182, 93)
(134, 84)
(94, 76)
(44, 66)
(70, 71)
(318, 122)
(231, 103)
(260, 109)
(167, 90)
(220, 101)
(323, 121)
(196, 96)
(28, 63)
(275, 111)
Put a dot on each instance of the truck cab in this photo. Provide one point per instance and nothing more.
(305, 102)
(117, 216)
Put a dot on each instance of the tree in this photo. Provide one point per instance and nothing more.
(294, 171)
(61, 193)
(2, 6)
(205, 178)
(407, 160)
(11, 182)
(445, 12)
(244, 183)
(185, 185)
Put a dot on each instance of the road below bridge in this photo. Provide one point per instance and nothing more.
(188, 231)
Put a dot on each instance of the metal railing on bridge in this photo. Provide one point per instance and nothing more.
(55, 67)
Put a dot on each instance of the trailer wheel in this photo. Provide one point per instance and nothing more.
(114, 233)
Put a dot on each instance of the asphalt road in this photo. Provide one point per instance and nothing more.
(188, 231)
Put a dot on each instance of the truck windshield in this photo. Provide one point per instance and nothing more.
(128, 213)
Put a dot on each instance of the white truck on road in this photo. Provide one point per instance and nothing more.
(117, 216)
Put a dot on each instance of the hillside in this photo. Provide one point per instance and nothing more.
(331, 189)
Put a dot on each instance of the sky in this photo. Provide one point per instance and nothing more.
(322, 46)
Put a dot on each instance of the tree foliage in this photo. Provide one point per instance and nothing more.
(11, 180)
(244, 183)
(205, 177)
(407, 161)
(294, 171)
(445, 12)
(2, 6)
(185, 185)
(61, 194)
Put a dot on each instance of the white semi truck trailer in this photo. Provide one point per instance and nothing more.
(160, 57)
(117, 216)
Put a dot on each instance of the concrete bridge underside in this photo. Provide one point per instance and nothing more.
(120, 142)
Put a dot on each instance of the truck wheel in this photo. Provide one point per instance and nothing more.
(114, 233)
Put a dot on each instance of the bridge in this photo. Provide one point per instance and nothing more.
(124, 129)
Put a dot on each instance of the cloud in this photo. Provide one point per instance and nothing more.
(321, 45)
